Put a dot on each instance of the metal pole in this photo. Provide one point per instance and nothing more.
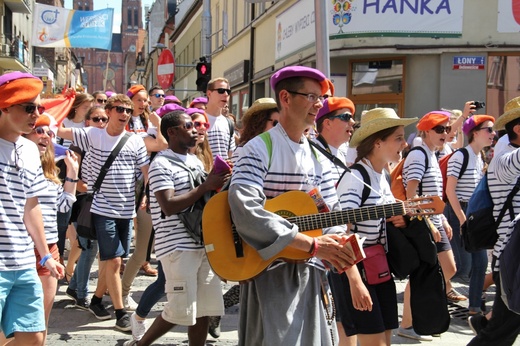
(251, 55)
(322, 37)
(206, 30)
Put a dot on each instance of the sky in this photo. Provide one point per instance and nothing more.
(99, 4)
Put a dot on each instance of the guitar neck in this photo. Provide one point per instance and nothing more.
(342, 217)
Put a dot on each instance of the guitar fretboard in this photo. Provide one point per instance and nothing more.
(342, 217)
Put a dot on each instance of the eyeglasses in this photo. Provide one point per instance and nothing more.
(489, 129)
(31, 108)
(343, 117)
(158, 95)
(101, 101)
(313, 98)
(441, 129)
(40, 131)
(275, 122)
(121, 109)
(222, 90)
(98, 119)
(18, 162)
(199, 124)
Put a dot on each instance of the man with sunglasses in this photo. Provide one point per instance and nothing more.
(114, 203)
(156, 97)
(21, 183)
(334, 123)
(221, 133)
(285, 304)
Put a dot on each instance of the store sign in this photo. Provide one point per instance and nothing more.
(295, 29)
(238, 74)
(508, 16)
(469, 62)
(410, 18)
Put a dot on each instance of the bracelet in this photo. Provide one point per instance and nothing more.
(44, 259)
(314, 248)
(71, 180)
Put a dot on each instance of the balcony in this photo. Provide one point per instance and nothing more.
(14, 56)
(19, 6)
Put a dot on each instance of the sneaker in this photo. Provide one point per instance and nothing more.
(72, 294)
(477, 323)
(129, 303)
(214, 326)
(99, 311)
(411, 334)
(130, 343)
(83, 304)
(124, 324)
(138, 327)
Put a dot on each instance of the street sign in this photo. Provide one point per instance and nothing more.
(165, 69)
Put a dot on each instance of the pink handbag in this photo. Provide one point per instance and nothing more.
(375, 266)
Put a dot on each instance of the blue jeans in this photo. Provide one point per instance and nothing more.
(81, 277)
(62, 220)
(473, 264)
(113, 236)
(462, 257)
(152, 294)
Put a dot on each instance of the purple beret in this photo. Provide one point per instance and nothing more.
(171, 98)
(300, 71)
(475, 121)
(109, 93)
(170, 107)
(191, 111)
(199, 100)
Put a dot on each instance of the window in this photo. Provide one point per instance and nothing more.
(503, 81)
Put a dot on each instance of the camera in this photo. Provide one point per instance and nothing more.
(479, 104)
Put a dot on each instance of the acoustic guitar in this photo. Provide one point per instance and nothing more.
(233, 259)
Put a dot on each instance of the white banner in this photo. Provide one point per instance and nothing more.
(508, 16)
(416, 18)
(295, 29)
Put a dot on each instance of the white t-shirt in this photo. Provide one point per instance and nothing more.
(221, 141)
(53, 200)
(472, 175)
(170, 233)
(337, 171)
(16, 186)
(116, 197)
(69, 124)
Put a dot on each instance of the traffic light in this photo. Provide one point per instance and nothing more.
(203, 75)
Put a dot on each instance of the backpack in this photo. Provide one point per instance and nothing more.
(443, 164)
(396, 177)
(479, 231)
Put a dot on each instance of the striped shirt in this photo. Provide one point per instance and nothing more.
(16, 186)
(53, 200)
(116, 197)
(503, 173)
(170, 233)
(350, 191)
(472, 175)
(293, 166)
(69, 124)
(337, 171)
(220, 140)
(431, 177)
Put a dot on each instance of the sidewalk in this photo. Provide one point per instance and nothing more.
(72, 326)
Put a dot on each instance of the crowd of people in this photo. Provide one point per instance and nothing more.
(151, 163)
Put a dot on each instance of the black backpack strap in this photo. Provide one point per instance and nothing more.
(426, 163)
(231, 129)
(104, 170)
(465, 160)
(366, 179)
(329, 155)
(508, 204)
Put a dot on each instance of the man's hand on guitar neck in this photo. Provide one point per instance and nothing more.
(330, 247)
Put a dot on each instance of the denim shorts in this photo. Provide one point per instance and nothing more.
(113, 236)
(21, 302)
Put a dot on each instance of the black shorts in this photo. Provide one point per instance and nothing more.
(444, 244)
(384, 309)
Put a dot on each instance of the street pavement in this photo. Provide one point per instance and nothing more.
(71, 326)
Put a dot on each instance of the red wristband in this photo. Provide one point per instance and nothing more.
(314, 248)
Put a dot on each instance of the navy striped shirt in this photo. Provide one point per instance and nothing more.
(16, 186)
(472, 175)
(53, 200)
(221, 141)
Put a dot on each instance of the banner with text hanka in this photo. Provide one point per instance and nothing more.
(61, 27)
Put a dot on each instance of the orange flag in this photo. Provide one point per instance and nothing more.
(60, 106)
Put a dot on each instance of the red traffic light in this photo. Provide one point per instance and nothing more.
(203, 69)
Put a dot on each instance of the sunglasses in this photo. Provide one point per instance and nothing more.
(158, 95)
(275, 122)
(222, 91)
(121, 109)
(199, 124)
(31, 108)
(343, 117)
(101, 101)
(441, 129)
(489, 129)
(98, 119)
(40, 131)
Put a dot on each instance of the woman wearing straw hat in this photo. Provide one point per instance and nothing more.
(371, 309)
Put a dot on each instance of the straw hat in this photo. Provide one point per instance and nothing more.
(512, 111)
(259, 105)
(375, 120)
